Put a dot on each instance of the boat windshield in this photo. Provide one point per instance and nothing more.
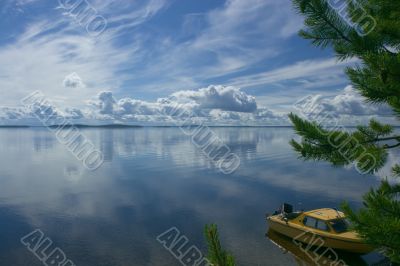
(339, 225)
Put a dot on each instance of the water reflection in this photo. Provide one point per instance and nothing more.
(107, 144)
(153, 179)
(42, 140)
(304, 256)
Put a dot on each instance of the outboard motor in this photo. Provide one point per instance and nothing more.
(287, 208)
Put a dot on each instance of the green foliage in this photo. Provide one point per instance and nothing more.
(375, 130)
(377, 78)
(340, 147)
(396, 170)
(216, 255)
(380, 129)
(379, 222)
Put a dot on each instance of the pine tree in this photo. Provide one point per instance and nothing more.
(368, 30)
(216, 255)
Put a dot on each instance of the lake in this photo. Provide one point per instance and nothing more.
(154, 179)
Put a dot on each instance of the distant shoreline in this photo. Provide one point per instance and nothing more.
(121, 126)
(134, 126)
(69, 126)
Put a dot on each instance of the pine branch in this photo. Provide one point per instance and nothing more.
(385, 139)
(326, 19)
(391, 146)
(396, 170)
(377, 78)
(216, 255)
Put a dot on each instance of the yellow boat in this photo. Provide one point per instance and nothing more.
(322, 227)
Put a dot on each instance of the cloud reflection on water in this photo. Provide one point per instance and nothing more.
(155, 178)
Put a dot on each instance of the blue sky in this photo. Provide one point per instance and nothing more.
(191, 52)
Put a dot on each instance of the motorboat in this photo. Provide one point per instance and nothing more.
(324, 227)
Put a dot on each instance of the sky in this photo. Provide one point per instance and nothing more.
(229, 62)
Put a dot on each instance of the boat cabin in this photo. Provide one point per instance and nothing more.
(329, 220)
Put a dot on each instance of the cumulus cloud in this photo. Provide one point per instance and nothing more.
(350, 102)
(8, 113)
(219, 97)
(347, 105)
(347, 102)
(31, 114)
(74, 113)
(214, 105)
(45, 110)
(73, 80)
(106, 102)
(197, 103)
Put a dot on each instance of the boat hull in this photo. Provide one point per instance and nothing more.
(312, 238)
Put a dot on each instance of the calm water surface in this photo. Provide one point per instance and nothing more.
(154, 179)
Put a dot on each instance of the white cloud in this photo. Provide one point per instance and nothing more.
(220, 42)
(74, 114)
(42, 62)
(348, 108)
(125, 108)
(50, 48)
(25, 2)
(73, 80)
(218, 97)
(350, 102)
(31, 114)
(347, 102)
(309, 74)
(106, 102)
(214, 105)
(233, 37)
(18, 6)
(10, 114)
